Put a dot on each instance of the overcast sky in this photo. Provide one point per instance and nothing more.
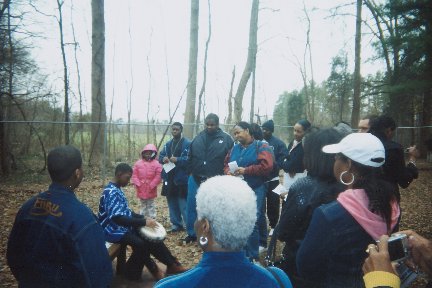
(159, 32)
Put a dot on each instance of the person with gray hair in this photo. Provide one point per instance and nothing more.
(226, 208)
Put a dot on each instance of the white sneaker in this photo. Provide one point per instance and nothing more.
(271, 232)
(262, 249)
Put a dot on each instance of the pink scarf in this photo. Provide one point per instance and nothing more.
(356, 202)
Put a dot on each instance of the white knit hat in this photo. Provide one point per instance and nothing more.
(363, 148)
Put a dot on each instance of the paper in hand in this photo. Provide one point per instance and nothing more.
(233, 166)
(280, 189)
(168, 166)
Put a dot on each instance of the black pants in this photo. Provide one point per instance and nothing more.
(141, 250)
(273, 203)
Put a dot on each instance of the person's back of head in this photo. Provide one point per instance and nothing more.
(343, 128)
(380, 125)
(62, 162)
(317, 163)
(229, 205)
(256, 132)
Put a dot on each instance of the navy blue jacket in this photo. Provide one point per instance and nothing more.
(333, 250)
(180, 172)
(56, 241)
(280, 152)
(207, 153)
(293, 162)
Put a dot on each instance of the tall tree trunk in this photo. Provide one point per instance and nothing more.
(308, 50)
(98, 82)
(65, 74)
(5, 152)
(230, 98)
(189, 116)
(250, 63)
(202, 91)
(80, 126)
(355, 116)
(252, 109)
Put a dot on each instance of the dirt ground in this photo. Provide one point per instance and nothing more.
(14, 191)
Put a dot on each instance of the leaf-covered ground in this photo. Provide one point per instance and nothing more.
(416, 206)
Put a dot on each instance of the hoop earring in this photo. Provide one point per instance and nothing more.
(346, 183)
(203, 241)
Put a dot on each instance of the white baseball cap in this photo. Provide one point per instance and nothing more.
(363, 148)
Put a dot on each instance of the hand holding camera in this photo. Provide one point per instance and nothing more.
(379, 257)
(421, 251)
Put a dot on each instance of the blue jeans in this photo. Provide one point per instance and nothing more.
(254, 239)
(191, 206)
(177, 211)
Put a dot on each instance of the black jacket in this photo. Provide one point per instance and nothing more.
(280, 152)
(394, 167)
(293, 163)
(207, 154)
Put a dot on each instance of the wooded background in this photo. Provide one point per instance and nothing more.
(34, 117)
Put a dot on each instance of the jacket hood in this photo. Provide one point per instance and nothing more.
(149, 147)
(356, 202)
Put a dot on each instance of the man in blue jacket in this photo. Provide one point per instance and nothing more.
(175, 181)
(205, 159)
(56, 240)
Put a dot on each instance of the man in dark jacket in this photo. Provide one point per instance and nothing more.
(280, 152)
(206, 159)
(56, 240)
(175, 181)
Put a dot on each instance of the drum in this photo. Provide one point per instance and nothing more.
(156, 234)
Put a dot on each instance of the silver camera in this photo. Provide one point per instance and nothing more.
(398, 247)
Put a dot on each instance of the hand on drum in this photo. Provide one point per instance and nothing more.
(151, 223)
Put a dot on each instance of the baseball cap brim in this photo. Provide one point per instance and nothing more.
(332, 148)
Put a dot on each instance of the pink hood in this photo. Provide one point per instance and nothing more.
(149, 147)
(356, 202)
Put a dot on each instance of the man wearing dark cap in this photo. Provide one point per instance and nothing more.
(280, 151)
(56, 240)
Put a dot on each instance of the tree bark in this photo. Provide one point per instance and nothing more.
(252, 109)
(250, 63)
(230, 97)
(189, 116)
(98, 82)
(355, 116)
(65, 74)
(202, 91)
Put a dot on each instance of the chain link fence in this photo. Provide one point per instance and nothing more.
(123, 141)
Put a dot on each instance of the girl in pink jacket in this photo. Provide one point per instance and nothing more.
(146, 177)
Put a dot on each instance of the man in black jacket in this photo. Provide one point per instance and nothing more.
(206, 159)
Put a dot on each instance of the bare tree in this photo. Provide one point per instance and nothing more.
(65, 73)
(202, 91)
(98, 82)
(189, 116)
(251, 114)
(250, 62)
(230, 98)
(76, 45)
(149, 89)
(355, 116)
